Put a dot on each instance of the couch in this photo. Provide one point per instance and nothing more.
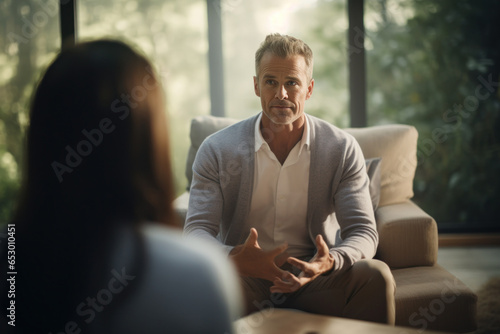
(427, 295)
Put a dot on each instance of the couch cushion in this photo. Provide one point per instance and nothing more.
(396, 144)
(432, 298)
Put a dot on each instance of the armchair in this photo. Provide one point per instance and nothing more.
(427, 295)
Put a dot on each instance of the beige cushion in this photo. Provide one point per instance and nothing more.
(432, 298)
(396, 144)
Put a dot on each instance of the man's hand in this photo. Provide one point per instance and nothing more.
(252, 261)
(321, 263)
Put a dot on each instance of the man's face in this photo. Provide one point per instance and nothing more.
(283, 85)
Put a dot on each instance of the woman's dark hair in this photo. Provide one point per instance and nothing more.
(97, 159)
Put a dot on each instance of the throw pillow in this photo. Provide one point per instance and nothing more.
(396, 144)
(373, 171)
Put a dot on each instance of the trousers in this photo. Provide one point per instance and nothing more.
(364, 292)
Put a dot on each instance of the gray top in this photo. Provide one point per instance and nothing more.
(339, 204)
(187, 286)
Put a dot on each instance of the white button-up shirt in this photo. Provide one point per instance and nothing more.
(279, 199)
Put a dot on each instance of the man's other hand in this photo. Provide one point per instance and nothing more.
(252, 261)
(321, 263)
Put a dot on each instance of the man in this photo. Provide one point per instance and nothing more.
(286, 194)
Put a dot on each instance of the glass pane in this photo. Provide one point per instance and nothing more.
(435, 65)
(321, 24)
(29, 39)
(173, 34)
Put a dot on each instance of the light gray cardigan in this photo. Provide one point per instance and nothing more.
(339, 205)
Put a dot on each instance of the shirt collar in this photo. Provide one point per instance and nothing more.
(304, 141)
(259, 140)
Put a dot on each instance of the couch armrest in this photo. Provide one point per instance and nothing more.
(407, 236)
(181, 206)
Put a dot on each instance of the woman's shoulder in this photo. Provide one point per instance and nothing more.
(187, 260)
(181, 279)
(167, 244)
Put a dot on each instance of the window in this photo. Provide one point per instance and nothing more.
(29, 36)
(431, 64)
(321, 24)
(173, 34)
(435, 65)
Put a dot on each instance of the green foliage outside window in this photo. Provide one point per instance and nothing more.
(29, 39)
(439, 71)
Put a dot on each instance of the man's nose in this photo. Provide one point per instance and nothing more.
(281, 94)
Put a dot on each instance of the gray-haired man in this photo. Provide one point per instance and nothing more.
(295, 216)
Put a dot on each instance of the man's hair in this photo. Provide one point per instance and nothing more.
(284, 46)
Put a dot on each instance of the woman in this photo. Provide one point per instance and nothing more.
(88, 257)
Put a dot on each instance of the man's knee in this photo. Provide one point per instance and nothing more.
(375, 272)
(377, 283)
(256, 294)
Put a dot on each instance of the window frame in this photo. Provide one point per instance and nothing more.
(356, 54)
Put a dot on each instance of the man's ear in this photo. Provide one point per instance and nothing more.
(256, 86)
(310, 89)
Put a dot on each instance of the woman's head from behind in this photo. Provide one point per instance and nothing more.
(97, 158)
(97, 140)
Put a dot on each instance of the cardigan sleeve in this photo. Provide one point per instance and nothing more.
(354, 211)
(206, 199)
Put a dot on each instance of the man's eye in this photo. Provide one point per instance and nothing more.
(270, 82)
(292, 83)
